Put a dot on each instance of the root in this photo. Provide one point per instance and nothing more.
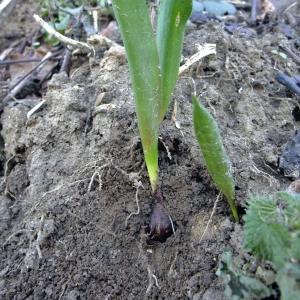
(151, 276)
(267, 176)
(210, 218)
(166, 147)
(152, 280)
(138, 184)
(172, 224)
(14, 234)
(99, 174)
(171, 270)
(92, 181)
(39, 238)
(64, 287)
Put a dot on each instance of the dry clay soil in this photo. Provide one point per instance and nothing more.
(75, 198)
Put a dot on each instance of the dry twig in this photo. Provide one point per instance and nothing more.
(202, 52)
(62, 38)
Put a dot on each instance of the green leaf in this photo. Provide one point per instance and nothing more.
(142, 55)
(172, 18)
(295, 245)
(60, 26)
(238, 285)
(264, 231)
(288, 279)
(218, 165)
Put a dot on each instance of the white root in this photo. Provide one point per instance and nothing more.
(210, 218)
(137, 184)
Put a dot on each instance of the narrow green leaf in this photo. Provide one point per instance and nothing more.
(142, 55)
(218, 165)
(172, 18)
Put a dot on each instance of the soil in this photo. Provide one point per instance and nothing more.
(75, 197)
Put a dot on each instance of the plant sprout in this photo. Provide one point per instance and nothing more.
(217, 162)
(153, 64)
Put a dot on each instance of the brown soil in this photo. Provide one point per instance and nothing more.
(75, 173)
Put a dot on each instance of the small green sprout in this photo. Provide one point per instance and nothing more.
(154, 64)
(217, 162)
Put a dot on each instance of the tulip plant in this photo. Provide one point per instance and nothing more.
(153, 64)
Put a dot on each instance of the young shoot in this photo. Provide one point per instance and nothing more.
(217, 162)
(153, 65)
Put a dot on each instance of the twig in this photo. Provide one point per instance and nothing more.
(289, 82)
(203, 51)
(293, 55)
(62, 38)
(240, 4)
(5, 53)
(210, 218)
(66, 62)
(43, 61)
(20, 84)
(14, 234)
(35, 109)
(290, 18)
(290, 6)
(21, 61)
(4, 4)
(253, 10)
(95, 20)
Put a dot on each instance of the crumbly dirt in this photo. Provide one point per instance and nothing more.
(74, 173)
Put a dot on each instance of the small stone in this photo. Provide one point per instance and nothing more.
(49, 290)
(73, 295)
(103, 98)
(294, 187)
(267, 276)
(104, 108)
(289, 161)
